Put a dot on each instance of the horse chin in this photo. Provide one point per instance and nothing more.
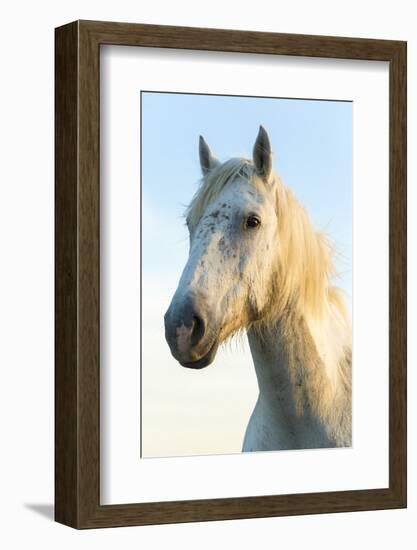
(204, 361)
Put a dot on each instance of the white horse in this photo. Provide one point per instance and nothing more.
(257, 264)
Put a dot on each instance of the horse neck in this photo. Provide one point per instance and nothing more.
(302, 379)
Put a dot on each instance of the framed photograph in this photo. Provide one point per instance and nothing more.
(230, 274)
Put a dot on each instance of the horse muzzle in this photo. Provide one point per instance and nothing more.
(188, 335)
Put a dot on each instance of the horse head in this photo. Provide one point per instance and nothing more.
(232, 221)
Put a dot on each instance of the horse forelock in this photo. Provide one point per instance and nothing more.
(214, 182)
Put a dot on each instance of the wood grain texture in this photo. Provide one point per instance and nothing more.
(77, 403)
(66, 237)
(398, 274)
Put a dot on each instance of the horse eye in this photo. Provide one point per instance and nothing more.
(253, 222)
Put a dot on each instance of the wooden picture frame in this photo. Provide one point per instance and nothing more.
(77, 365)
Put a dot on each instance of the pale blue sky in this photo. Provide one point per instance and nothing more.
(312, 144)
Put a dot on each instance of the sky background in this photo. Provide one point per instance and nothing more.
(186, 412)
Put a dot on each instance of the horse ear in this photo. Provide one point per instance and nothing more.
(207, 160)
(262, 154)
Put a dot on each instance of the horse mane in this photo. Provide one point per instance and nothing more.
(304, 266)
(305, 260)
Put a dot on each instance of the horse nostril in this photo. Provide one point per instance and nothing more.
(198, 330)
